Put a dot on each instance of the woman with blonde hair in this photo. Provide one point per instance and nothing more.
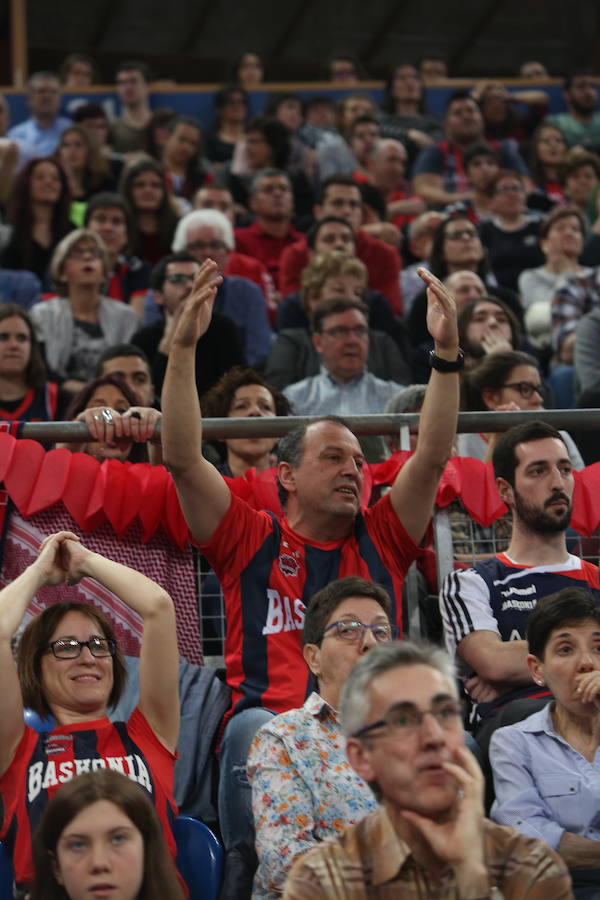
(76, 327)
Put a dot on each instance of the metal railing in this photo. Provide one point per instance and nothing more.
(379, 424)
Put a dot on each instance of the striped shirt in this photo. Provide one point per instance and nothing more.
(370, 862)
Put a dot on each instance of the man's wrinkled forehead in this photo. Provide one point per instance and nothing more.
(324, 433)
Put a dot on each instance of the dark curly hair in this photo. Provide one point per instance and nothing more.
(216, 402)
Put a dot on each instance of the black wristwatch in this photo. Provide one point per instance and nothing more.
(445, 365)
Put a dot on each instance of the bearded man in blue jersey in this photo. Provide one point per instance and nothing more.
(485, 609)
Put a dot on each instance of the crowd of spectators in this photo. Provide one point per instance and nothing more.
(318, 258)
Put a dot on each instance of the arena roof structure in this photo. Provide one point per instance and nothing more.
(197, 42)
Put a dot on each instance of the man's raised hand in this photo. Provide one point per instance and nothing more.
(441, 315)
(197, 309)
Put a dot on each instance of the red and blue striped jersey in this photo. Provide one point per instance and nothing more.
(269, 573)
(42, 762)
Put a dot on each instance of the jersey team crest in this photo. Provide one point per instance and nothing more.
(288, 565)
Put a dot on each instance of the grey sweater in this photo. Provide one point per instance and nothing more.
(53, 321)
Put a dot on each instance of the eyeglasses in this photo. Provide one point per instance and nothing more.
(80, 252)
(354, 632)
(211, 246)
(510, 189)
(274, 188)
(179, 278)
(525, 388)
(403, 719)
(344, 331)
(460, 235)
(70, 648)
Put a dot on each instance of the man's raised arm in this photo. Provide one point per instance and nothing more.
(414, 489)
(203, 494)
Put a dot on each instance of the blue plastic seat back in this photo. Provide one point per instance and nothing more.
(6, 874)
(199, 858)
(35, 721)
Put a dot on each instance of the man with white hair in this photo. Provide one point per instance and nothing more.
(207, 233)
(429, 838)
(214, 196)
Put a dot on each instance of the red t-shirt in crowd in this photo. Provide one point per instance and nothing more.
(382, 262)
(256, 242)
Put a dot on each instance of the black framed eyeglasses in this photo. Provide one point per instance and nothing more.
(344, 331)
(70, 648)
(525, 388)
(403, 719)
(179, 278)
(353, 631)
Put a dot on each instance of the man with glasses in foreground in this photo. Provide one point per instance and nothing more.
(485, 609)
(429, 838)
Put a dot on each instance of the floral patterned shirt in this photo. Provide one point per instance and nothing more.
(303, 789)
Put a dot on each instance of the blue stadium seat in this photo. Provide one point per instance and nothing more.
(6, 873)
(199, 858)
(36, 722)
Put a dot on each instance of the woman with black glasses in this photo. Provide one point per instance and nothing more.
(504, 381)
(70, 667)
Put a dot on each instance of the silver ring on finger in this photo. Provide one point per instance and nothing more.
(107, 416)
